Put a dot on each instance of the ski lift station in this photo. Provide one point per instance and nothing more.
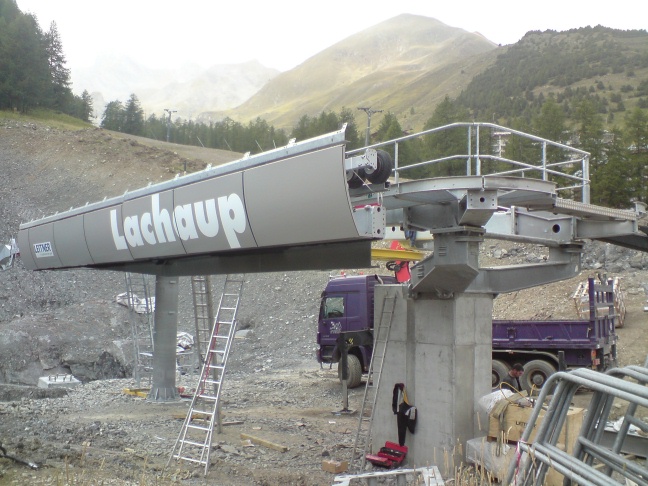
(315, 205)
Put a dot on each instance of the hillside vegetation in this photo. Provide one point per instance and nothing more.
(404, 65)
(407, 65)
(607, 66)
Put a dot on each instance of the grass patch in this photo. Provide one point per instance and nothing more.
(48, 117)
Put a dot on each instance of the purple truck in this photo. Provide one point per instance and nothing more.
(348, 307)
(542, 347)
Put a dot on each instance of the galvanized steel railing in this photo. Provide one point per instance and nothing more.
(564, 172)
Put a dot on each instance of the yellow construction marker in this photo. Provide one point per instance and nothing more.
(138, 392)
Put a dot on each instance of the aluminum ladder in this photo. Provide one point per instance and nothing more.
(381, 340)
(201, 289)
(195, 439)
(140, 303)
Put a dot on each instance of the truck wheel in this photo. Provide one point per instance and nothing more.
(499, 371)
(536, 373)
(355, 371)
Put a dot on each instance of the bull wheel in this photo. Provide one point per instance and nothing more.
(357, 179)
(536, 374)
(499, 371)
(384, 169)
(355, 371)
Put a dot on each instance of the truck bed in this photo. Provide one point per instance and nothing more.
(554, 334)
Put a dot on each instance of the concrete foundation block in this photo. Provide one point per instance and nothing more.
(58, 381)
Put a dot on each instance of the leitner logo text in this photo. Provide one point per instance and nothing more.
(42, 250)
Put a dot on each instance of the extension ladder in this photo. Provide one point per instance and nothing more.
(140, 302)
(381, 340)
(201, 290)
(195, 438)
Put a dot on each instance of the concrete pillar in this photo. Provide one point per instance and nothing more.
(165, 330)
(441, 351)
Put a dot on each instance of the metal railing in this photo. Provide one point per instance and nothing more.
(591, 462)
(568, 167)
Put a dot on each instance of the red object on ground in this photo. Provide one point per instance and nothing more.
(389, 456)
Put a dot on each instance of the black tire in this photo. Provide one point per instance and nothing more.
(355, 371)
(535, 375)
(384, 169)
(357, 180)
(499, 371)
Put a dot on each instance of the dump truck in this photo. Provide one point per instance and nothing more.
(542, 347)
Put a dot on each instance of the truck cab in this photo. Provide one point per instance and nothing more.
(347, 305)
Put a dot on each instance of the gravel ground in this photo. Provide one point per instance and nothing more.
(274, 390)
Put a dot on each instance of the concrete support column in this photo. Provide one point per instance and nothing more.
(441, 351)
(165, 332)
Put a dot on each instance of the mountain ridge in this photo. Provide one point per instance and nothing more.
(362, 70)
(406, 66)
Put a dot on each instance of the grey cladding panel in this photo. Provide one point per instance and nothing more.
(300, 200)
(70, 242)
(149, 229)
(210, 216)
(41, 244)
(102, 230)
(26, 252)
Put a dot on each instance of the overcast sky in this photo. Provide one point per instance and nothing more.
(282, 34)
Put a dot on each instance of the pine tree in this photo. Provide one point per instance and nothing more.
(636, 139)
(24, 74)
(590, 129)
(86, 111)
(133, 117)
(113, 117)
(60, 75)
(351, 134)
(636, 123)
(551, 122)
(614, 183)
(448, 142)
(390, 129)
(302, 130)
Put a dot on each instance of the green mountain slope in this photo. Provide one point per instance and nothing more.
(404, 65)
(608, 66)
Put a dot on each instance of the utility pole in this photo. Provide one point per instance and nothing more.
(169, 122)
(369, 112)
